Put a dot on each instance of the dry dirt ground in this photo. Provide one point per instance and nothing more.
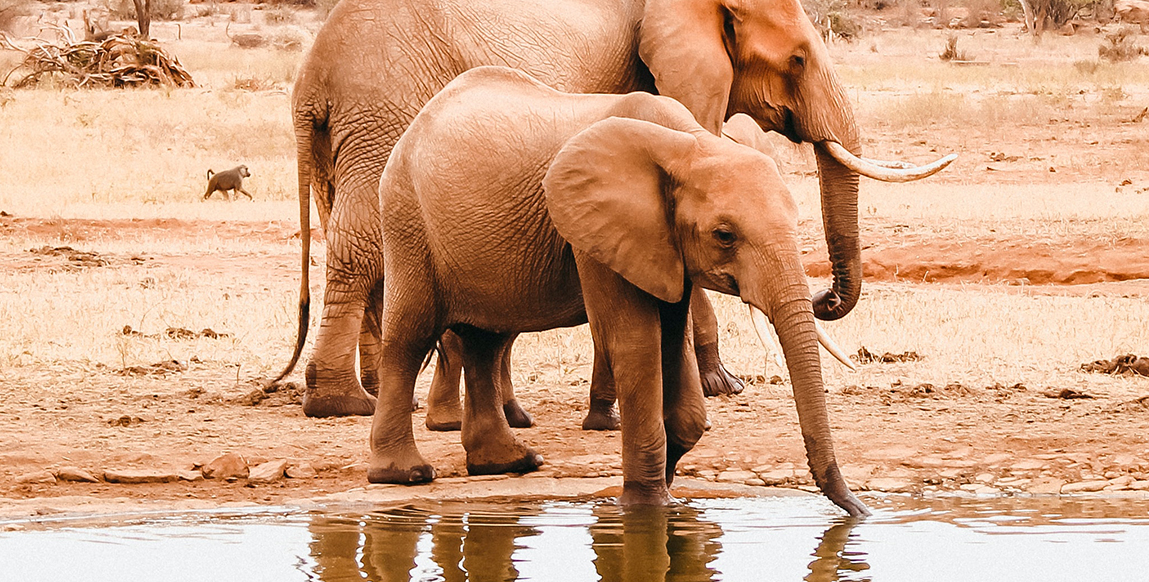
(1001, 424)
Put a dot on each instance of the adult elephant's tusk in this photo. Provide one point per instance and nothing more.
(883, 170)
(833, 348)
(762, 328)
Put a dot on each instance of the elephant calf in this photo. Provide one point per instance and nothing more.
(510, 207)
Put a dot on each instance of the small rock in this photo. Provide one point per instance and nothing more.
(136, 476)
(1046, 486)
(268, 472)
(997, 458)
(889, 484)
(12, 527)
(190, 475)
(1139, 485)
(301, 471)
(986, 478)
(37, 478)
(1121, 481)
(735, 476)
(1112, 475)
(756, 482)
(777, 476)
(1029, 465)
(75, 474)
(227, 466)
(1084, 486)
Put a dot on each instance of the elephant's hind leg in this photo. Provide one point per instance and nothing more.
(516, 416)
(490, 444)
(602, 414)
(716, 380)
(394, 456)
(444, 413)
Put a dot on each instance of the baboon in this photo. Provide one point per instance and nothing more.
(227, 180)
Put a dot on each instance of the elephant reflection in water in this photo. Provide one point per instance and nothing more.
(637, 544)
(383, 546)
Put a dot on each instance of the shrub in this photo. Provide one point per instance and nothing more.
(1120, 46)
(832, 19)
(951, 52)
(161, 9)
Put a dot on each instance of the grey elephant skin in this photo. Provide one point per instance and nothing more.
(376, 62)
(510, 207)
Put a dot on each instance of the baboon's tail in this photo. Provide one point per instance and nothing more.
(305, 135)
(209, 173)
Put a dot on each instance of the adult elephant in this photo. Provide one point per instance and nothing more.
(376, 62)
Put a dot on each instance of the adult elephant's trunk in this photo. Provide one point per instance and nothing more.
(790, 311)
(839, 187)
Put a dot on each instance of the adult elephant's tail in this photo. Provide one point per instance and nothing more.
(308, 121)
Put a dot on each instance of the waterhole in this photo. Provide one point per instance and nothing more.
(784, 539)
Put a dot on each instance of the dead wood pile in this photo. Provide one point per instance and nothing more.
(119, 61)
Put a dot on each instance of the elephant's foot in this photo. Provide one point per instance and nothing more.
(674, 453)
(330, 398)
(494, 460)
(516, 416)
(400, 473)
(602, 416)
(716, 380)
(634, 493)
(444, 416)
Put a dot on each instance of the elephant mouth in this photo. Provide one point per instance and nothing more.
(790, 126)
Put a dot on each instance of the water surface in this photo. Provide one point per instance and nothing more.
(729, 539)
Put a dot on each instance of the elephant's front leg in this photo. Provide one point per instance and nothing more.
(625, 322)
(490, 444)
(716, 379)
(683, 403)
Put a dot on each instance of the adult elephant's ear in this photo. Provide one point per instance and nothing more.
(605, 195)
(683, 43)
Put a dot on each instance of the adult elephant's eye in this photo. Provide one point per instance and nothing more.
(725, 236)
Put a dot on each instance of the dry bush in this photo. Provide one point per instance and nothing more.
(161, 9)
(1120, 46)
(982, 13)
(254, 84)
(278, 15)
(951, 52)
(833, 19)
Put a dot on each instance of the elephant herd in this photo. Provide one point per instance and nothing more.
(521, 165)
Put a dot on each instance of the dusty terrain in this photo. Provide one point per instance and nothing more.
(1026, 259)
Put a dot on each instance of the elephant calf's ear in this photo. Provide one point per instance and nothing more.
(604, 194)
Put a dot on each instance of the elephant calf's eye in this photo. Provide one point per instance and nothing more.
(798, 62)
(725, 237)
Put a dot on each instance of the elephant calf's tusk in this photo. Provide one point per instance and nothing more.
(833, 348)
(883, 170)
(762, 328)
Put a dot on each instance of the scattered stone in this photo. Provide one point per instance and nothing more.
(301, 471)
(890, 485)
(77, 258)
(1046, 486)
(1126, 365)
(1139, 485)
(190, 476)
(1066, 394)
(865, 356)
(952, 472)
(125, 420)
(1084, 486)
(37, 478)
(76, 475)
(755, 482)
(157, 369)
(268, 472)
(137, 476)
(997, 458)
(735, 476)
(1028, 465)
(227, 466)
(985, 478)
(1123, 482)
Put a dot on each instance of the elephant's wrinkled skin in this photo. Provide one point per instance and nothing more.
(510, 207)
(376, 62)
